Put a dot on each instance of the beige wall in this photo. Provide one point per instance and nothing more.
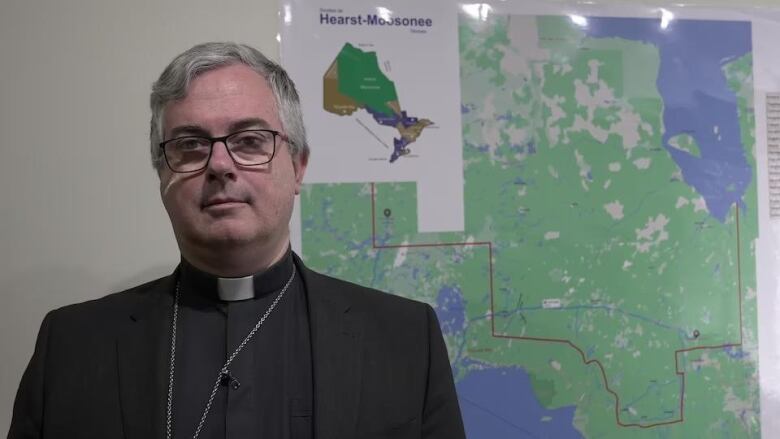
(79, 209)
(80, 214)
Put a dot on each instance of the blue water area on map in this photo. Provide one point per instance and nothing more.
(392, 120)
(481, 148)
(499, 403)
(399, 148)
(697, 99)
(506, 117)
(736, 353)
(450, 310)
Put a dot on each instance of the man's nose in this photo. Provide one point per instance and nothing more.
(220, 163)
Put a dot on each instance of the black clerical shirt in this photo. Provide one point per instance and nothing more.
(270, 395)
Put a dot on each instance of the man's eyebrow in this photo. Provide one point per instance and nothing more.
(243, 124)
(188, 130)
(248, 124)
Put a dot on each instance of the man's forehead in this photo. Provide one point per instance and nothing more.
(234, 79)
(221, 97)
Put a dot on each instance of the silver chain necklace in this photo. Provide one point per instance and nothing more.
(223, 372)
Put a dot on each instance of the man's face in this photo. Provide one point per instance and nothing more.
(226, 205)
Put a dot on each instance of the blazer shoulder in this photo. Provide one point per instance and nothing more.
(123, 302)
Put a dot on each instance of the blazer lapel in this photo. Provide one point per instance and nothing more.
(336, 357)
(142, 351)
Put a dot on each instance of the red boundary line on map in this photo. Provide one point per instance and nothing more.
(585, 360)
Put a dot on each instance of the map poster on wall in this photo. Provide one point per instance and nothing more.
(576, 192)
(381, 100)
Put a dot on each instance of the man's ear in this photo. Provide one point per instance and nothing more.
(300, 161)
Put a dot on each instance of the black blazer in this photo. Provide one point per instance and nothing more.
(100, 368)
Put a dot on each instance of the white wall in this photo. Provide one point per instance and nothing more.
(79, 209)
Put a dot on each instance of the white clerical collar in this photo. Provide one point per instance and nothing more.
(232, 289)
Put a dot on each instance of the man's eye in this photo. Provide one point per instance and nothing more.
(251, 141)
(190, 144)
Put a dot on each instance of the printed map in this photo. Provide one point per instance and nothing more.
(604, 283)
(354, 81)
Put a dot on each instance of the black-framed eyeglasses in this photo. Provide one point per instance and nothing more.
(246, 148)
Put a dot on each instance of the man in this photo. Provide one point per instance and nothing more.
(242, 340)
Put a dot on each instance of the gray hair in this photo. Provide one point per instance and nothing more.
(174, 80)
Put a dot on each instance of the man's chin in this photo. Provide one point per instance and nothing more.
(227, 238)
(223, 235)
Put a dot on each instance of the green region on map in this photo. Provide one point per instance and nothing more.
(354, 81)
(610, 281)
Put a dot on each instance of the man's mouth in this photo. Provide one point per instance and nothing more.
(222, 201)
